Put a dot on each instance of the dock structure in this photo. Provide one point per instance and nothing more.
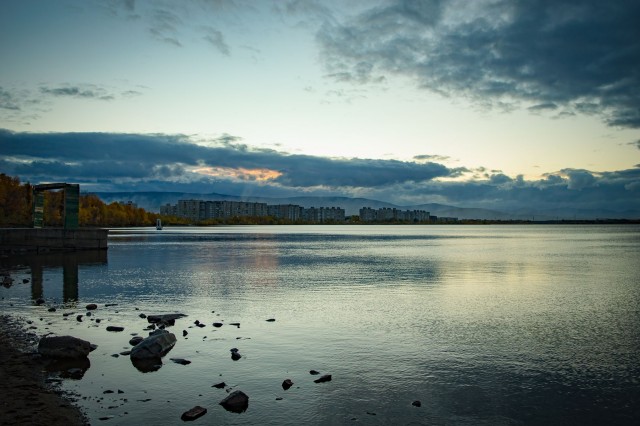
(46, 240)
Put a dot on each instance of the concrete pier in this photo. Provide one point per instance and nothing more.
(45, 240)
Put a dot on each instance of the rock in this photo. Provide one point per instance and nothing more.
(135, 340)
(217, 324)
(235, 355)
(314, 372)
(325, 378)
(155, 346)
(142, 316)
(184, 333)
(40, 301)
(287, 384)
(416, 403)
(236, 401)
(64, 347)
(52, 309)
(68, 368)
(79, 318)
(271, 320)
(181, 361)
(147, 365)
(25, 281)
(166, 319)
(88, 314)
(237, 324)
(125, 353)
(194, 413)
(91, 306)
(115, 328)
(73, 373)
(220, 385)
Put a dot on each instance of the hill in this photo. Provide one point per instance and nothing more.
(151, 201)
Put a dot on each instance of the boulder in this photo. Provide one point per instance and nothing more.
(181, 361)
(91, 306)
(158, 344)
(287, 384)
(416, 403)
(64, 347)
(236, 401)
(115, 328)
(148, 365)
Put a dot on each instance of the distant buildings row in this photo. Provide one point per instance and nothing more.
(199, 210)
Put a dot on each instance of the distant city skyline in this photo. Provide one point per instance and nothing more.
(487, 104)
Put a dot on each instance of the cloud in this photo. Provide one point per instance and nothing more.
(8, 100)
(20, 105)
(427, 157)
(107, 155)
(579, 179)
(81, 92)
(216, 39)
(138, 162)
(569, 56)
(164, 26)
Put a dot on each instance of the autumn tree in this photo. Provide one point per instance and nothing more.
(15, 202)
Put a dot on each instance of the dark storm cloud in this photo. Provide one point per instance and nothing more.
(561, 56)
(83, 155)
(568, 189)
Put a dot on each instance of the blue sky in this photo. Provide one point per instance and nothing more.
(488, 103)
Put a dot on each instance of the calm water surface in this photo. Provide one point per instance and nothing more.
(493, 325)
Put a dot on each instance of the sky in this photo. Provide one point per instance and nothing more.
(499, 104)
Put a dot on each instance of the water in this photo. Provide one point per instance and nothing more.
(493, 325)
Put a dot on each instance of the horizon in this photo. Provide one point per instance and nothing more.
(492, 105)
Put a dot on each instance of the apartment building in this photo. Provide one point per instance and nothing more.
(386, 214)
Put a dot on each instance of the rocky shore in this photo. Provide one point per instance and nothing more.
(25, 397)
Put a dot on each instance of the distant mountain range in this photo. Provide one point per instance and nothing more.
(152, 201)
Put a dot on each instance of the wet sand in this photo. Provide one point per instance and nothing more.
(25, 397)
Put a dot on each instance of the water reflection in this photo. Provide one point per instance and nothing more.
(69, 262)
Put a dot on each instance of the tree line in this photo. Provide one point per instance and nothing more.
(16, 209)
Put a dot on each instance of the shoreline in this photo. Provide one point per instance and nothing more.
(26, 397)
